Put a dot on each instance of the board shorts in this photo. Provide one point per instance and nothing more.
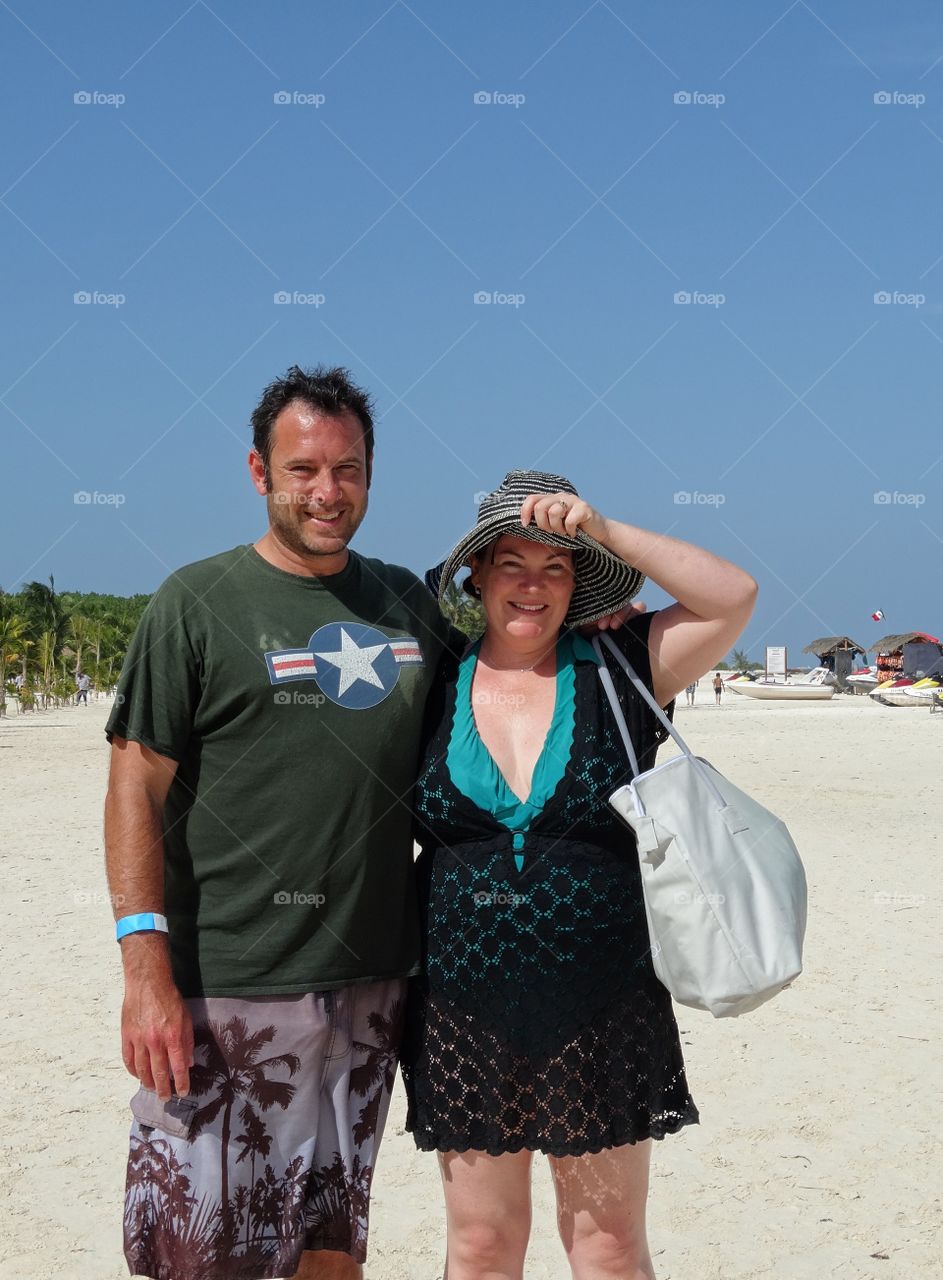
(272, 1152)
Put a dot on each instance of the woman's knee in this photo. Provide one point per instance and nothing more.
(487, 1246)
(613, 1250)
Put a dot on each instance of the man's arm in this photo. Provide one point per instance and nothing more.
(156, 1028)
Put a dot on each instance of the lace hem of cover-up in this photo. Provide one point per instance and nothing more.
(619, 1080)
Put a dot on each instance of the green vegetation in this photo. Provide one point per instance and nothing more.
(48, 637)
(463, 611)
(740, 662)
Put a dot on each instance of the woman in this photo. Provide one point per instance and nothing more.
(539, 1024)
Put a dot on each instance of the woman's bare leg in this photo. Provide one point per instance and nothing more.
(601, 1203)
(488, 1210)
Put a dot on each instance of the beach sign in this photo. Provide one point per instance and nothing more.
(775, 661)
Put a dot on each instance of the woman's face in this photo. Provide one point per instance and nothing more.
(525, 587)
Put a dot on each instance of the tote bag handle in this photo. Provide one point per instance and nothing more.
(606, 678)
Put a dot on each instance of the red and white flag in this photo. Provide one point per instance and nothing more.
(877, 616)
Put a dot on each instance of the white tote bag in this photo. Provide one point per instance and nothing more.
(725, 890)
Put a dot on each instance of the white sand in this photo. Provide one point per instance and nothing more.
(819, 1142)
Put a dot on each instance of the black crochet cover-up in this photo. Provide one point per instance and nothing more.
(538, 1022)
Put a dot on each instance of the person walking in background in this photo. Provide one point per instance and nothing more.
(82, 683)
(718, 684)
(689, 693)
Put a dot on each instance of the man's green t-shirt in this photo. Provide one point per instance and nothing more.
(293, 706)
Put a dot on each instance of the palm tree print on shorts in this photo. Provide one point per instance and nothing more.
(166, 1227)
(379, 1065)
(198, 1208)
(234, 1071)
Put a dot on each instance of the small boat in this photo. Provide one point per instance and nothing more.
(863, 680)
(917, 693)
(895, 693)
(815, 686)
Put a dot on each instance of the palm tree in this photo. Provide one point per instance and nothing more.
(81, 636)
(293, 1189)
(46, 661)
(159, 1186)
(233, 1070)
(161, 1212)
(12, 634)
(379, 1064)
(328, 1208)
(739, 660)
(112, 647)
(44, 610)
(268, 1200)
(256, 1141)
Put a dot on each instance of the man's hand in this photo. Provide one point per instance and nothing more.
(156, 1027)
(613, 620)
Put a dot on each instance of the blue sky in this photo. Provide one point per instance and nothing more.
(777, 164)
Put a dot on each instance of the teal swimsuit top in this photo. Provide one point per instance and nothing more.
(472, 768)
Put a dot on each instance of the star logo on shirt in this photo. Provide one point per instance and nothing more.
(353, 662)
(354, 665)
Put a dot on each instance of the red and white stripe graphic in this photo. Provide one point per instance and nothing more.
(406, 650)
(292, 664)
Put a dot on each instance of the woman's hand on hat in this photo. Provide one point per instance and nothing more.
(562, 513)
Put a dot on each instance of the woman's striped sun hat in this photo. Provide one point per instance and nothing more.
(604, 582)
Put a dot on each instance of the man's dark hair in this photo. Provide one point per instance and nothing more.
(330, 391)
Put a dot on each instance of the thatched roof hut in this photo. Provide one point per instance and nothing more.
(837, 653)
(911, 653)
(832, 644)
(889, 644)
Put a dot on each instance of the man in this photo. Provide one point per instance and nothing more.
(264, 746)
(83, 683)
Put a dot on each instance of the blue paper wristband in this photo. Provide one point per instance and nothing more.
(144, 920)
